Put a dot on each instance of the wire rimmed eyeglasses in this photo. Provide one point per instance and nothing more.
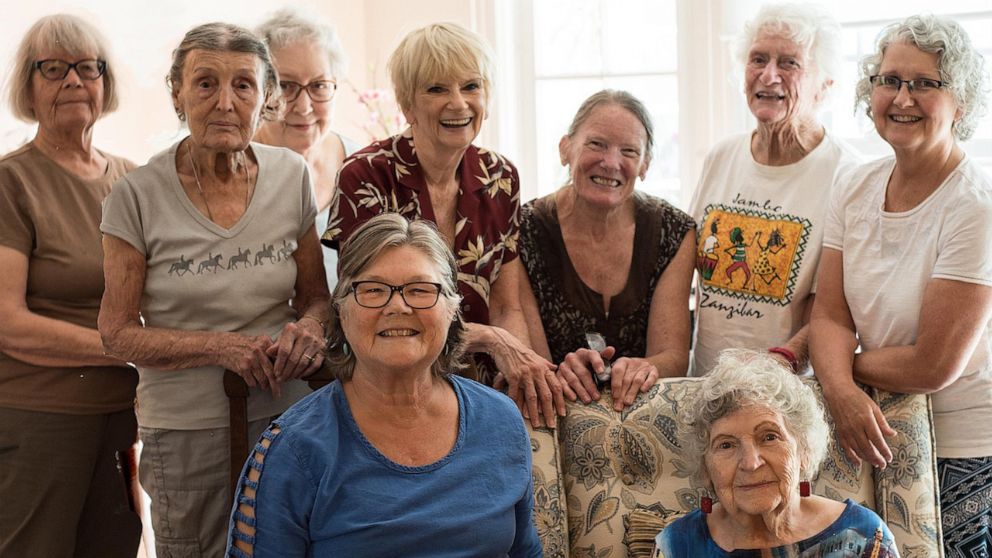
(419, 295)
(320, 91)
(56, 70)
(894, 84)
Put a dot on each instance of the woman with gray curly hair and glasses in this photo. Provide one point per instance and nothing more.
(399, 456)
(907, 269)
(753, 434)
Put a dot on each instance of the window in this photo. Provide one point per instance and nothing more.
(675, 55)
(579, 47)
(582, 46)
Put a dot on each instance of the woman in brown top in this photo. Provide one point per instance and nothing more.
(604, 258)
(66, 410)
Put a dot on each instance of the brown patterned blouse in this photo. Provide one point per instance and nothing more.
(568, 307)
(386, 176)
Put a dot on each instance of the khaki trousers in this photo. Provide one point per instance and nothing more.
(187, 475)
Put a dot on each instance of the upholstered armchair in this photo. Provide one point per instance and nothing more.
(600, 466)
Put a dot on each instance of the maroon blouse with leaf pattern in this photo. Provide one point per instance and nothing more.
(386, 176)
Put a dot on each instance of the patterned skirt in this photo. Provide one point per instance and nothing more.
(966, 506)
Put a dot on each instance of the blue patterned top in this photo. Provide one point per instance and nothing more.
(858, 532)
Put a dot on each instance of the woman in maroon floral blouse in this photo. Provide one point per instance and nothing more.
(442, 75)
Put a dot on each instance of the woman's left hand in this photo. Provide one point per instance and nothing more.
(629, 377)
(299, 350)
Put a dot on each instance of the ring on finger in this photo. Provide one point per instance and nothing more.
(310, 358)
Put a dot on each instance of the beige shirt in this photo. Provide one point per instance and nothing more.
(53, 217)
(202, 277)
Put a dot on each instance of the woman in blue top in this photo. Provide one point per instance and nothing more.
(752, 435)
(397, 457)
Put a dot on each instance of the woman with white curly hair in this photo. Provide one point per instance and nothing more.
(907, 270)
(753, 435)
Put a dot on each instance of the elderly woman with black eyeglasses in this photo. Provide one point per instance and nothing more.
(399, 456)
(67, 420)
(906, 272)
(310, 61)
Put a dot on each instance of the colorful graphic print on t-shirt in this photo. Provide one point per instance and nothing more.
(749, 254)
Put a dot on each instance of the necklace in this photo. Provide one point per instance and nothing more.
(249, 187)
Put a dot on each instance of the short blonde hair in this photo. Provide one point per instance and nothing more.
(435, 52)
(73, 35)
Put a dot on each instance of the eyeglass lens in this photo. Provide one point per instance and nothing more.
(419, 295)
(55, 70)
(319, 91)
(895, 84)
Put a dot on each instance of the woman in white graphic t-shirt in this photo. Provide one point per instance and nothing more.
(762, 195)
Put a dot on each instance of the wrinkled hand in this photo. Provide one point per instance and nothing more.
(298, 351)
(577, 370)
(246, 356)
(860, 426)
(531, 383)
(630, 377)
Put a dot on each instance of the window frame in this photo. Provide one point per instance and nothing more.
(709, 84)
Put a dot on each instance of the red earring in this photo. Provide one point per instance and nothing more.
(804, 488)
(706, 504)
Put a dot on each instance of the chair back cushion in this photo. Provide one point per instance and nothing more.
(614, 463)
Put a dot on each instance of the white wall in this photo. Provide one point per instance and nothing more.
(142, 36)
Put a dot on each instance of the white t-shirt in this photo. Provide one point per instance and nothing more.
(889, 258)
(200, 276)
(760, 231)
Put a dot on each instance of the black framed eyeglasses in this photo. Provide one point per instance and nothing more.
(894, 84)
(419, 295)
(56, 70)
(319, 91)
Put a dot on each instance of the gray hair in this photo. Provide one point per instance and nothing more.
(810, 26)
(392, 230)
(289, 26)
(65, 32)
(961, 66)
(227, 37)
(741, 379)
(435, 52)
(614, 97)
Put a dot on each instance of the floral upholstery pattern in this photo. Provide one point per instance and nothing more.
(549, 499)
(611, 464)
(906, 493)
